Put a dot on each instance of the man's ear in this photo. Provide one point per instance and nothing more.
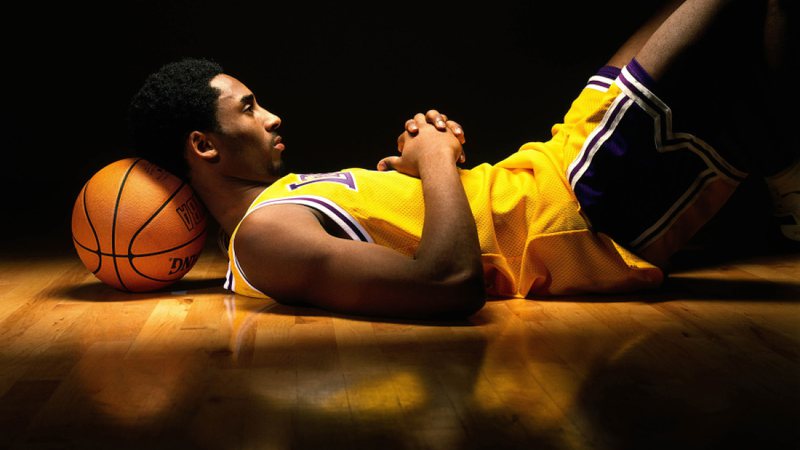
(200, 145)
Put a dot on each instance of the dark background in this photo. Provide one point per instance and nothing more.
(342, 76)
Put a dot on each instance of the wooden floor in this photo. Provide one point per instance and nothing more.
(710, 361)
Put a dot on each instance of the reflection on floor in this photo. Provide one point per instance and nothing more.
(710, 361)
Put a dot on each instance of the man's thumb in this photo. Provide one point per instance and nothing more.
(387, 163)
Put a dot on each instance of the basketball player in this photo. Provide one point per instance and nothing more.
(598, 208)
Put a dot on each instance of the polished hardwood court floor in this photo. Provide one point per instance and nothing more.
(712, 360)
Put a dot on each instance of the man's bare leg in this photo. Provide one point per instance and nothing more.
(683, 28)
(632, 46)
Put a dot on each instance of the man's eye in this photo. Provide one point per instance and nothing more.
(247, 108)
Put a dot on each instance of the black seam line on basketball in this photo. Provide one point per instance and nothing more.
(153, 216)
(133, 266)
(93, 251)
(114, 222)
(140, 255)
(94, 232)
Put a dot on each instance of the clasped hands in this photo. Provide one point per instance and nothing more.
(426, 135)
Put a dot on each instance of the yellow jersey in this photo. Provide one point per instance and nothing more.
(534, 239)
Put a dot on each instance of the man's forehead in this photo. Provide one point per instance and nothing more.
(229, 87)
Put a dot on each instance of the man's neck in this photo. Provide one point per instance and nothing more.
(227, 199)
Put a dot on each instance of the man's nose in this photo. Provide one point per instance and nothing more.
(272, 122)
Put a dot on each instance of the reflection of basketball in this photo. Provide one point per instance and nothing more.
(137, 227)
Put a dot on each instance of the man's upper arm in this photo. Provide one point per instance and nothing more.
(287, 254)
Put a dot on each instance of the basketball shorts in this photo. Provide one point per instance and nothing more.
(642, 181)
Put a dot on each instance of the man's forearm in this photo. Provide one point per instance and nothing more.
(449, 247)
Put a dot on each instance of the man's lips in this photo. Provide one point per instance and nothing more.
(278, 144)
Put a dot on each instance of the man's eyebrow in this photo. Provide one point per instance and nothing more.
(247, 99)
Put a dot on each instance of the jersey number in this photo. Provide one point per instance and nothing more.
(345, 178)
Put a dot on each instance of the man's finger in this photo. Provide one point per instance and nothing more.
(387, 163)
(411, 126)
(457, 131)
(437, 119)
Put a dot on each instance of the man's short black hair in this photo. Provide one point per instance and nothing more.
(173, 102)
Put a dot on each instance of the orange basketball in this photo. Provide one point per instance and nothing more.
(137, 227)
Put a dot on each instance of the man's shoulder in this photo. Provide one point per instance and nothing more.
(279, 218)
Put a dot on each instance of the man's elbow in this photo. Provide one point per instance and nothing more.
(467, 293)
(471, 304)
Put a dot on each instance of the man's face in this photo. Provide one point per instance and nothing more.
(248, 144)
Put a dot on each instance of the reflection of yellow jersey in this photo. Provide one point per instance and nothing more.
(533, 238)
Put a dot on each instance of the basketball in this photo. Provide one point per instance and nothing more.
(137, 227)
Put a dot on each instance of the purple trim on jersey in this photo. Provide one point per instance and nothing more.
(346, 219)
(638, 94)
(599, 83)
(327, 208)
(640, 74)
(607, 74)
(587, 151)
(642, 96)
